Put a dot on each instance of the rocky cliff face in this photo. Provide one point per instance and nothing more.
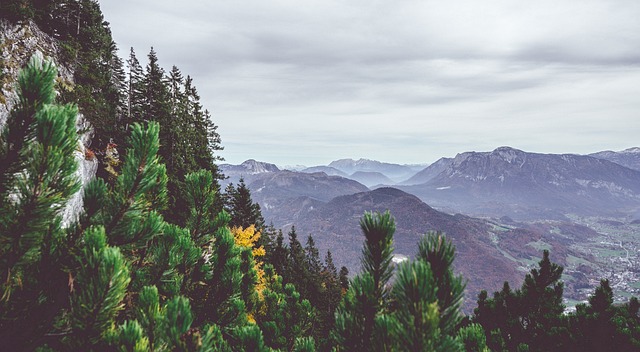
(18, 43)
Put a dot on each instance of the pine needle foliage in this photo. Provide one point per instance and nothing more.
(435, 250)
(120, 277)
(36, 179)
(377, 253)
(283, 315)
(100, 288)
(123, 278)
(407, 315)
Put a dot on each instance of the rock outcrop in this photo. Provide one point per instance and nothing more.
(18, 43)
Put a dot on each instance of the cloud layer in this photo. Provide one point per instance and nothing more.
(307, 82)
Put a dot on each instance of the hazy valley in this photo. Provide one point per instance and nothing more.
(501, 209)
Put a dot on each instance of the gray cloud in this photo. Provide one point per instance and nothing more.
(304, 82)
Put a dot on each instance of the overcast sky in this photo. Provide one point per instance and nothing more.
(404, 81)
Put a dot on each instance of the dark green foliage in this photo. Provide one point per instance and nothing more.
(421, 310)
(148, 315)
(304, 344)
(128, 210)
(601, 326)
(122, 278)
(99, 290)
(284, 316)
(166, 328)
(249, 279)
(36, 179)
(378, 249)
(223, 280)
(87, 47)
(297, 271)
(244, 212)
(415, 325)
(188, 137)
(16, 10)
(218, 297)
(439, 253)
(602, 299)
(313, 263)
(473, 338)
(250, 338)
(356, 306)
(317, 282)
(134, 91)
(344, 278)
(367, 297)
(279, 256)
(130, 337)
(168, 261)
(328, 300)
(531, 316)
(200, 195)
(119, 277)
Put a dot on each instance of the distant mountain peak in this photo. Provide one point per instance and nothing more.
(258, 167)
(248, 167)
(628, 158)
(632, 150)
(352, 162)
(508, 154)
(394, 172)
(506, 148)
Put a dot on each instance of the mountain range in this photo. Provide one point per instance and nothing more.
(523, 185)
(395, 172)
(524, 199)
(628, 157)
(503, 182)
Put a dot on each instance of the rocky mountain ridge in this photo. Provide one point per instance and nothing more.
(629, 157)
(511, 182)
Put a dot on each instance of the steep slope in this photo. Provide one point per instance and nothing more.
(429, 172)
(524, 185)
(629, 157)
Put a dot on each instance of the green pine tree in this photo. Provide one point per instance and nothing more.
(244, 212)
(120, 277)
(421, 310)
(283, 315)
(366, 300)
(435, 250)
(36, 179)
(530, 317)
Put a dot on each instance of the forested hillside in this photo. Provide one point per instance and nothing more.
(161, 259)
